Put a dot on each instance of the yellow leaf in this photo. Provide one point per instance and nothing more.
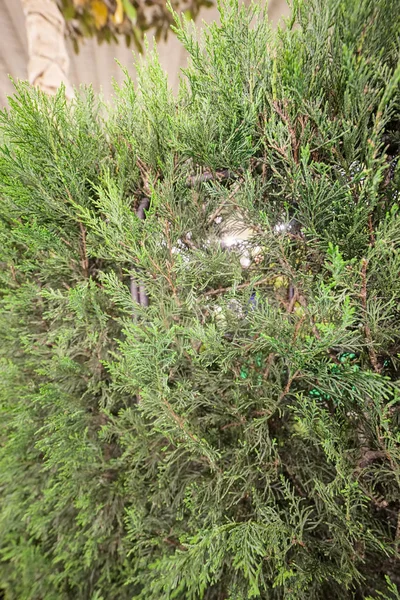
(100, 13)
(280, 281)
(298, 309)
(118, 16)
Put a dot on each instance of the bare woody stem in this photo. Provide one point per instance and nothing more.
(368, 335)
(84, 256)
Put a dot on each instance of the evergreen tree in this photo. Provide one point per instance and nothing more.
(189, 419)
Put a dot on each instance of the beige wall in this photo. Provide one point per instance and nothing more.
(94, 64)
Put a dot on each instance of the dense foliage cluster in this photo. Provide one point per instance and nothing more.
(108, 20)
(186, 419)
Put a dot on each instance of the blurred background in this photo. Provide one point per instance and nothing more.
(77, 41)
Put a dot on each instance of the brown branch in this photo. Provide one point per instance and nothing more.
(370, 456)
(289, 385)
(371, 231)
(220, 208)
(233, 424)
(380, 503)
(297, 328)
(220, 175)
(293, 297)
(368, 335)
(82, 250)
(84, 257)
(278, 149)
(138, 292)
(179, 421)
(182, 426)
(145, 176)
(168, 237)
(134, 290)
(259, 413)
(188, 242)
(48, 64)
(175, 544)
(221, 290)
(295, 142)
(168, 278)
(285, 392)
(267, 369)
(217, 212)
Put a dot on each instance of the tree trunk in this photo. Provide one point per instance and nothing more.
(48, 58)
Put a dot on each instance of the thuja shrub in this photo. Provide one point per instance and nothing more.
(200, 324)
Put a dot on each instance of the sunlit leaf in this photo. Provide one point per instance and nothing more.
(99, 12)
(118, 16)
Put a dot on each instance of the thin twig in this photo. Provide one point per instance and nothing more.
(182, 426)
(221, 175)
(188, 242)
(85, 260)
(388, 456)
(293, 297)
(378, 502)
(369, 456)
(368, 335)
(221, 290)
(234, 424)
(175, 544)
(294, 480)
(302, 301)
(297, 328)
(144, 205)
(285, 118)
(138, 292)
(267, 369)
(371, 231)
(289, 385)
(167, 277)
(145, 176)
(220, 208)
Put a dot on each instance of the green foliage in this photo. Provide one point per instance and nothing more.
(239, 437)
